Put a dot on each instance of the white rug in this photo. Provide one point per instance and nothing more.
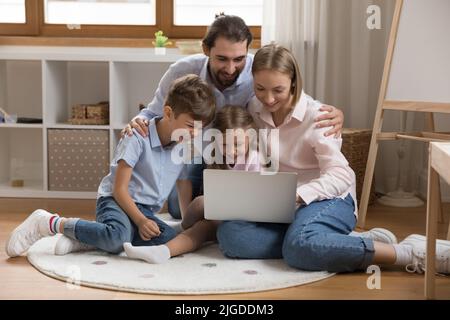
(206, 271)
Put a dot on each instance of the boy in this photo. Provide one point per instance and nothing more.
(142, 174)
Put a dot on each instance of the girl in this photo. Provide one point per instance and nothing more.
(318, 239)
(197, 230)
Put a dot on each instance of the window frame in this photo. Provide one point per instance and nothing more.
(31, 25)
(191, 31)
(98, 31)
(36, 26)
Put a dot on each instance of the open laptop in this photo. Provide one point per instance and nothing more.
(249, 196)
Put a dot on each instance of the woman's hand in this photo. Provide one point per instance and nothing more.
(141, 125)
(333, 118)
(148, 229)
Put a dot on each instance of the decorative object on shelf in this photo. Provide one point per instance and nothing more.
(77, 159)
(17, 183)
(6, 117)
(16, 171)
(190, 46)
(355, 147)
(90, 114)
(160, 43)
(28, 120)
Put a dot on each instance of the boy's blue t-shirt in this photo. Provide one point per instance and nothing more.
(154, 173)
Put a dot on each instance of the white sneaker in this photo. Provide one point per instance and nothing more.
(377, 234)
(419, 245)
(35, 227)
(66, 245)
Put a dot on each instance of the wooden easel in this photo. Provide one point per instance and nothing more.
(400, 105)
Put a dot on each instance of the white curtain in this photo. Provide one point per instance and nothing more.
(342, 64)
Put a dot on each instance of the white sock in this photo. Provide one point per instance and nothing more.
(66, 245)
(178, 228)
(151, 254)
(404, 254)
(55, 223)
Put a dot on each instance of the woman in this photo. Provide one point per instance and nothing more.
(318, 239)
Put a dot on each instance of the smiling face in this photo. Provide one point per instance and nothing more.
(239, 147)
(273, 89)
(226, 61)
(184, 121)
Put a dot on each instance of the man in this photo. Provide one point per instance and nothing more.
(226, 65)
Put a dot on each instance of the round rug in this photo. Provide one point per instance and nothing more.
(206, 271)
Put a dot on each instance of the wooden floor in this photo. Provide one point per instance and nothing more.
(19, 280)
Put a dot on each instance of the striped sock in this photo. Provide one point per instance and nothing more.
(55, 223)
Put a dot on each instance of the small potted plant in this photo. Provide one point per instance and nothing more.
(160, 43)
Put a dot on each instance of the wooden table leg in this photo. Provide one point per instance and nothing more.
(432, 217)
(448, 232)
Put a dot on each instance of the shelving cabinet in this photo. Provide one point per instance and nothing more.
(45, 82)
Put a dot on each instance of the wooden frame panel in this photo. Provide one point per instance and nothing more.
(104, 31)
(30, 27)
(36, 26)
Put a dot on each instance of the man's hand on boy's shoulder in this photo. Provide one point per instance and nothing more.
(334, 118)
(141, 126)
(148, 229)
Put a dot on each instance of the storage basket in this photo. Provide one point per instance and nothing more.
(90, 114)
(77, 159)
(355, 147)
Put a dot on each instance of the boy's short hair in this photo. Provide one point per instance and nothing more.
(190, 94)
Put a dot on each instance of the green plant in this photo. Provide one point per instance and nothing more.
(161, 40)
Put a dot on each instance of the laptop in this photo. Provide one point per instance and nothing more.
(249, 196)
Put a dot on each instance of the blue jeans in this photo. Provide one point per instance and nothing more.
(113, 228)
(196, 177)
(317, 239)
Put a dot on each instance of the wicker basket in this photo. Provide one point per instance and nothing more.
(355, 147)
(90, 114)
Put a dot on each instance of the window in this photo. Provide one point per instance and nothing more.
(12, 11)
(19, 17)
(109, 12)
(202, 12)
(122, 18)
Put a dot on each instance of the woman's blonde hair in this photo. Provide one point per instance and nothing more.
(232, 117)
(278, 58)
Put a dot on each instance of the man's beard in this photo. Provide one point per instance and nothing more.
(226, 82)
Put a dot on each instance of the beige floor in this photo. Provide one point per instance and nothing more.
(19, 280)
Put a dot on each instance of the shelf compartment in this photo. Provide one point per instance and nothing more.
(21, 88)
(67, 83)
(132, 84)
(21, 159)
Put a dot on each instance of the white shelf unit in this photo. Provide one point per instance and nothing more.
(44, 82)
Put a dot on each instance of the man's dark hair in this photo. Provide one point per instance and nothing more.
(232, 28)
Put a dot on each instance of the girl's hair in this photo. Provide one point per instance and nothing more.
(278, 58)
(232, 117)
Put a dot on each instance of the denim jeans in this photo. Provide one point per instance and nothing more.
(318, 239)
(196, 177)
(113, 228)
